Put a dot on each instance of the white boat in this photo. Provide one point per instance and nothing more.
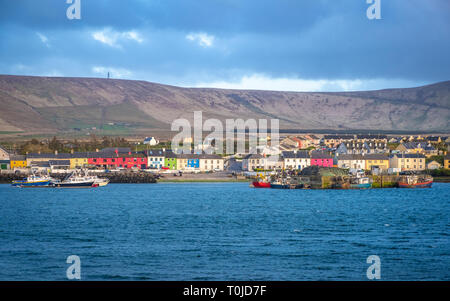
(76, 180)
(97, 181)
(101, 181)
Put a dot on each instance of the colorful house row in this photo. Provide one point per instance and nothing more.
(162, 158)
(364, 161)
(202, 162)
(295, 160)
(116, 158)
(383, 162)
(106, 158)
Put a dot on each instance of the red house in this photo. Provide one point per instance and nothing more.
(321, 159)
(112, 160)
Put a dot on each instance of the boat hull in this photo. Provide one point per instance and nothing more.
(279, 186)
(426, 184)
(75, 185)
(261, 184)
(45, 183)
(361, 186)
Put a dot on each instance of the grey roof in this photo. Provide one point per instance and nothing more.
(408, 156)
(298, 154)
(320, 155)
(376, 157)
(253, 156)
(58, 162)
(40, 163)
(49, 156)
(350, 157)
(155, 152)
(413, 145)
(371, 136)
(337, 137)
(18, 157)
(198, 156)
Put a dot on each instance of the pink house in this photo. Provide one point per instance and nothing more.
(321, 159)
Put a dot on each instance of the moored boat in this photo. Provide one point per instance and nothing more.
(414, 181)
(360, 183)
(101, 181)
(261, 181)
(279, 186)
(34, 180)
(261, 184)
(76, 180)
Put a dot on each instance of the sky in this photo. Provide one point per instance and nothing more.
(290, 45)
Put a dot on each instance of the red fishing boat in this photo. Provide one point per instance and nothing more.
(261, 184)
(416, 182)
(261, 181)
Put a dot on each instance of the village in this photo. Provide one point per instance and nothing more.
(377, 154)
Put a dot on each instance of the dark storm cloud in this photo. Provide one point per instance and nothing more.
(184, 42)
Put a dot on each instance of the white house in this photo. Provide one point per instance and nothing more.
(296, 159)
(155, 158)
(351, 161)
(151, 141)
(211, 162)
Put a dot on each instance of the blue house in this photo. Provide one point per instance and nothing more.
(193, 162)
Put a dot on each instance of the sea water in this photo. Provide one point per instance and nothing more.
(223, 231)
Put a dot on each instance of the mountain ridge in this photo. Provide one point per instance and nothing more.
(63, 104)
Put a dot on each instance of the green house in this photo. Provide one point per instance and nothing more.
(4, 164)
(170, 160)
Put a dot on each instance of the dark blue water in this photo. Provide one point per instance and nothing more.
(224, 231)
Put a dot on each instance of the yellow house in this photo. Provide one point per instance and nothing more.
(78, 160)
(181, 162)
(18, 161)
(376, 160)
(447, 162)
(408, 161)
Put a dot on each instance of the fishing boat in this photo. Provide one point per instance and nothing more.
(414, 181)
(34, 180)
(261, 184)
(98, 182)
(76, 180)
(279, 185)
(360, 183)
